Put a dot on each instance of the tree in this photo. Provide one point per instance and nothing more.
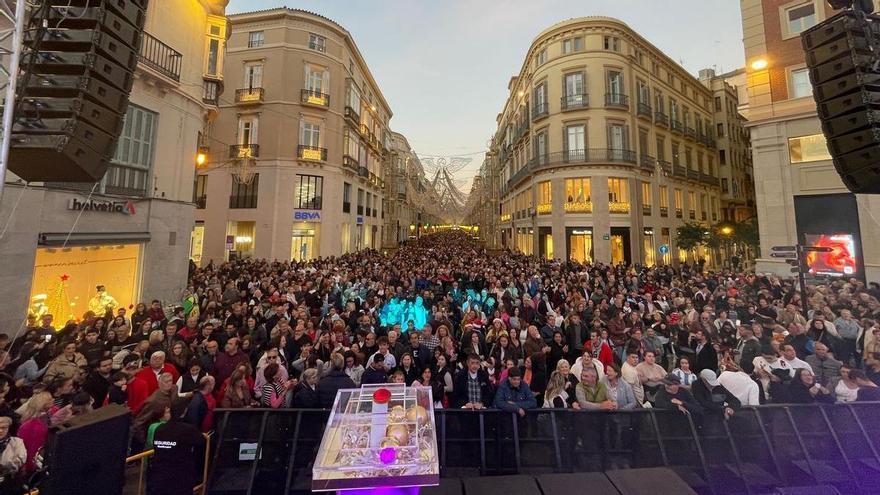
(691, 235)
(747, 233)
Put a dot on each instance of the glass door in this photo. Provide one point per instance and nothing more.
(580, 243)
(302, 245)
(617, 254)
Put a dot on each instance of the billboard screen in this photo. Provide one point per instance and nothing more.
(841, 261)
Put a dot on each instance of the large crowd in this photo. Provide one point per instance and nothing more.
(502, 330)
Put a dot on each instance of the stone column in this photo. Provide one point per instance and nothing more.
(560, 243)
(601, 219)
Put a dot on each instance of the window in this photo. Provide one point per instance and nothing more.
(808, 149)
(675, 155)
(658, 101)
(574, 89)
(688, 154)
(136, 142)
(612, 43)
(541, 98)
(244, 195)
(360, 209)
(618, 195)
(673, 110)
(368, 211)
(800, 84)
(255, 39)
(664, 199)
(317, 43)
(720, 130)
(213, 57)
(722, 157)
(247, 130)
(253, 76)
(704, 208)
(724, 185)
(644, 93)
(317, 79)
(661, 149)
(801, 18)
(655, 69)
(646, 198)
(352, 97)
(346, 197)
(541, 147)
(545, 197)
(200, 191)
(677, 202)
(541, 57)
(310, 135)
(577, 190)
(615, 82)
(717, 103)
(572, 45)
(692, 205)
(309, 192)
(575, 141)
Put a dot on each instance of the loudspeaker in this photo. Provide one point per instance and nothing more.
(74, 93)
(87, 454)
(846, 88)
(493, 485)
(571, 483)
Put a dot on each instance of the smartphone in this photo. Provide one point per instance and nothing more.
(48, 338)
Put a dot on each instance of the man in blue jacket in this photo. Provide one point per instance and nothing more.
(513, 395)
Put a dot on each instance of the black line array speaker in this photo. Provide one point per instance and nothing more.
(87, 454)
(77, 72)
(844, 71)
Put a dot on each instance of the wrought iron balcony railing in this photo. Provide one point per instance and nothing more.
(311, 153)
(249, 95)
(316, 98)
(644, 110)
(616, 100)
(244, 150)
(540, 111)
(570, 102)
(160, 57)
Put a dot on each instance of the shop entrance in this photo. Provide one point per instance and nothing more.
(580, 244)
(545, 242)
(302, 244)
(620, 248)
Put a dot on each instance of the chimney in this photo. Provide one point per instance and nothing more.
(707, 74)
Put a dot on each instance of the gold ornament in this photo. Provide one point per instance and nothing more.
(417, 414)
(396, 414)
(388, 442)
(400, 433)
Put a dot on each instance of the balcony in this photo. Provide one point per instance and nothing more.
(679, 170)
(664, 211)
(676, 126)
(574, 157)
(522, 130)
(678, 213)
(160, 57)
(648, 163)
(644, 110)
(540, 111)
(703, 216)
(690, 133)
(315, 98)
(311, 153)
(363, 172)
(665, 166)
(544, 208)
(244, 150)
(708, 179)
(693, 174)
(661, 118)
(201, 201)
(646, 210)
(352, 116)
(618, 207)
(346, 207)
(249, 95)
(692, 215)
(505, 217)
(211, 91)
(350, 162)
(578, 207)
(572, 102)
(616, 100)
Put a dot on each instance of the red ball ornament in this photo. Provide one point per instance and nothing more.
(382, 396)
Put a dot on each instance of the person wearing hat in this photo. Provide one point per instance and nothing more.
(673, 396)
(713, 396)
(514, 395)
(376, 372)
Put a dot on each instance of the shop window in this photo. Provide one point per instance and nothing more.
(808, 149)
(245, 195)
(309, 191)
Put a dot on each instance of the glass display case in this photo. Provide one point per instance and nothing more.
(378, 436)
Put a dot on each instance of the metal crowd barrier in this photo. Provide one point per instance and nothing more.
(758, 450)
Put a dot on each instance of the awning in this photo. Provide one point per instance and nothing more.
(85, 238)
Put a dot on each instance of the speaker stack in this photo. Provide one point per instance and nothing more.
(77, 73)
(845, 74)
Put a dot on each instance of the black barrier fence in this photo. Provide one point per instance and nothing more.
(757, 450)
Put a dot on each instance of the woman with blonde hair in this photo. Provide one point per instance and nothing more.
(555, 395)
(34, 429)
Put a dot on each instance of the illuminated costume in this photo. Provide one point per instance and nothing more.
(102, 302)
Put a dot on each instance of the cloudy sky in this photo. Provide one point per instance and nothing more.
(443, 65)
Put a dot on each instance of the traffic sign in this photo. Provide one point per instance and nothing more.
(664, 249)
(783, 248)
(821, 249)
(783, 255)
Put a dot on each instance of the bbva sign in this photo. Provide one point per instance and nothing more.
(307, 215)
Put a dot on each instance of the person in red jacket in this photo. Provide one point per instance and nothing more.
(146, 381)
(601, 349)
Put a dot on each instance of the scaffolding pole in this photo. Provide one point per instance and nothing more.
(10, 59)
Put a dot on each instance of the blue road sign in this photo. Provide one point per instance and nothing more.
(664, 249)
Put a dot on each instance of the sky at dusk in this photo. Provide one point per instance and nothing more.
(443, 65)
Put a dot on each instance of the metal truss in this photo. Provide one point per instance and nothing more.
(12, 22)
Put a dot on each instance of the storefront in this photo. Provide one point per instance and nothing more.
(620, 248)
(580, 244)
(306, 234)
(66, 280)
(648, 246)
(197, 243)
(545, 243)
(240, 240)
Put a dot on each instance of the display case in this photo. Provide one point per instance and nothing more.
(378, 436)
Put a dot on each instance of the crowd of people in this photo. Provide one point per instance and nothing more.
(503, 330)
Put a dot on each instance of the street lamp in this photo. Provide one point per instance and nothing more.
(727, 230)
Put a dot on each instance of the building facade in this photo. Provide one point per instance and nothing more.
(734, 150)
(409, 208)
(297, 162)
(800, 197)
(130, 232)
(604, 147)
